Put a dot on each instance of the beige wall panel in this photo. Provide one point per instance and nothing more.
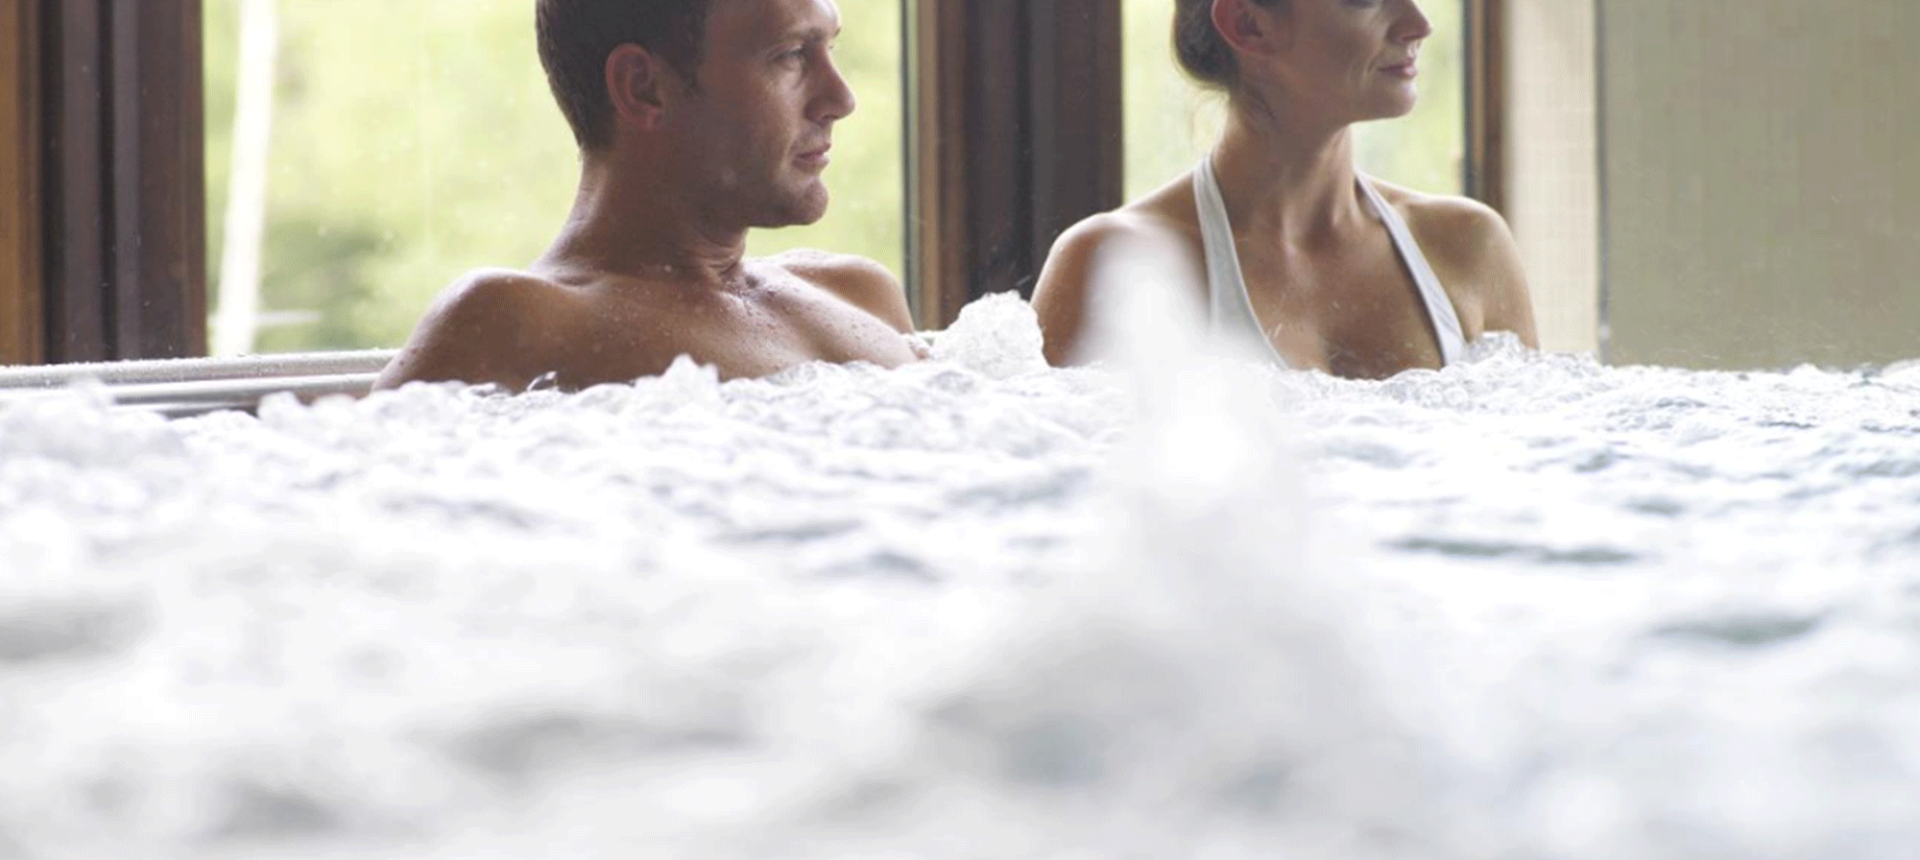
(1761, 182)
(1551, 122)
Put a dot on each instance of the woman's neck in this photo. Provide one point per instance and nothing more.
(1294, 181)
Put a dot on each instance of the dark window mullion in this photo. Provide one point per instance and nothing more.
(22, 317)
(75, 199)
(1486, 169)
(1014, 136)
(123, 197)
(159, 180)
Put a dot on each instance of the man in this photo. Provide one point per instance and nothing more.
(697, 120)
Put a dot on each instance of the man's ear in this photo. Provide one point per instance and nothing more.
(1251, 28)
(637, 80)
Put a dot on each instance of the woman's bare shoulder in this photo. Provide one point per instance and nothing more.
(1151, 235)
(1157, 219)
(1457, 234)
(1170, 207)
(1447, 218)
(1470, 245)
(1134, 235)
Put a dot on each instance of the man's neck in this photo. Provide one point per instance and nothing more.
(638, 225)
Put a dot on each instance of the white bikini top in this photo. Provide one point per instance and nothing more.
(1231, 311)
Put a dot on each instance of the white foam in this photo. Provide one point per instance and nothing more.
(1177, 606)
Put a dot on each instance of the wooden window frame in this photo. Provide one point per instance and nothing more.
(21, 325)
(1013, 133)
(109, 222)
(1485, 46)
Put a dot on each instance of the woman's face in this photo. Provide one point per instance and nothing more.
(1354, 59)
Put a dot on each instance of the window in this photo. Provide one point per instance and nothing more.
(19, 246)
(1171, 122)
(398, 145)
(387, 148)
(868, 176)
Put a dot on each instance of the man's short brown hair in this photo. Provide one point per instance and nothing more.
(577, 36)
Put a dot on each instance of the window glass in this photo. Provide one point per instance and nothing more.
(1170, 122)
(868, 176)
(410, 142)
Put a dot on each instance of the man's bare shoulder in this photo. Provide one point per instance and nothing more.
(498, 287)
(859, 281)
(487, 327)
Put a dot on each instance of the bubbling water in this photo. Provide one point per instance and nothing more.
(1175, 606)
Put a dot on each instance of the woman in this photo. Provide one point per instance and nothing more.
(1276, 232)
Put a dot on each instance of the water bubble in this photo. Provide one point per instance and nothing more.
(549, 381)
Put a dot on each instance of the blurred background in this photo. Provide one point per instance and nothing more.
(409, 143)
(1711, 184)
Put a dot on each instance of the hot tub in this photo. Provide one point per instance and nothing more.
(1170, 607)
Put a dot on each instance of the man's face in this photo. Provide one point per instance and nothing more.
(757, 130)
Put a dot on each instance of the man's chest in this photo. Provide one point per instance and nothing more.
(742, 339)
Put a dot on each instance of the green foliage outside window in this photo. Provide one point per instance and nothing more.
(415, 140)
(1170, 122)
